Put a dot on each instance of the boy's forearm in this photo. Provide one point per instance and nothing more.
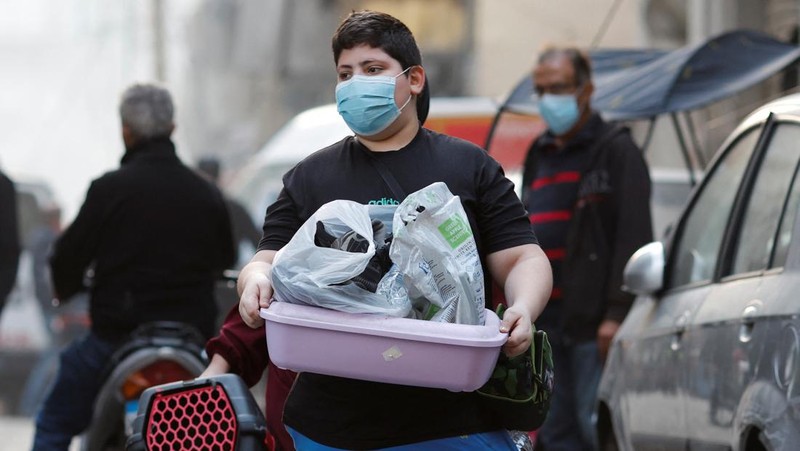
(529, 283)
(526, 277)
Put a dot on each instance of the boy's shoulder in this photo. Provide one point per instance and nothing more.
(442, 141)
(328, 153)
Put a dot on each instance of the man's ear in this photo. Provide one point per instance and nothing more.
(588, 90)
(127, 136)
(416, 79)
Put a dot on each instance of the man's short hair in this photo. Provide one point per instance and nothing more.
(147, 110)
(577, 57)
(382, 31)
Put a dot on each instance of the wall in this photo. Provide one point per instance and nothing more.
(509, 33)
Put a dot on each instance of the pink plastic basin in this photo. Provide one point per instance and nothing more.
(380, 348)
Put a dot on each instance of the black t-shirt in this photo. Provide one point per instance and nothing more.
(348, 413)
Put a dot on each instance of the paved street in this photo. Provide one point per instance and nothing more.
(17, 434)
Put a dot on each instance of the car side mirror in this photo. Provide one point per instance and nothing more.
(644, 272)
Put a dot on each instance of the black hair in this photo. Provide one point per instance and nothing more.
(382, 31)
(377, 30)
(578, 58)
(424, 102)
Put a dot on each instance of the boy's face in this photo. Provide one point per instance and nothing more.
(371, 61)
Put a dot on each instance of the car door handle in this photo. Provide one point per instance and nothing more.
(680, 328)
(749, 315)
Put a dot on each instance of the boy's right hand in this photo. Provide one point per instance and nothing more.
(255, 288)
(256, 294)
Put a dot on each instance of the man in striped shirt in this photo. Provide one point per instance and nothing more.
(587, 191)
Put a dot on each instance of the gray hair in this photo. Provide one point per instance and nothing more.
(147, 110)
(578, 58)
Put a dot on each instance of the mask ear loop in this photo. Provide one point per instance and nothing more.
(406, 70)
(409, 95)
(404, 105)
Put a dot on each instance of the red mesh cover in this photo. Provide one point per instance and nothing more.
(198, 419)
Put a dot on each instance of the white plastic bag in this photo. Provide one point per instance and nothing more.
(435, 249)
(304, 273)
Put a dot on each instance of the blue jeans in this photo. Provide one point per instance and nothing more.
(570, 424)
(486, 441)
(67, 411)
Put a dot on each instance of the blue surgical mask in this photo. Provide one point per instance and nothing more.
(366, 103)
(560, 111)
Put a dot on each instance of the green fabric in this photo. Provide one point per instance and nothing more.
(520, 387)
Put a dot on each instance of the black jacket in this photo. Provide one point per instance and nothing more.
(9, 238)
(155, 235)
(610, 221)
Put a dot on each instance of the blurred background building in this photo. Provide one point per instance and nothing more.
(240, 69)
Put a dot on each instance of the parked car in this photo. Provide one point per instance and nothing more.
(31, 329)
(23, 326)
(709, 355)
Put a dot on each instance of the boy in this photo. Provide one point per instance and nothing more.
(380, 79)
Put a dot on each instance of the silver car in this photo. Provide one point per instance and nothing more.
(709, 356)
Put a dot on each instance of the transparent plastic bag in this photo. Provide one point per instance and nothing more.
(329, 263)
(434, 248)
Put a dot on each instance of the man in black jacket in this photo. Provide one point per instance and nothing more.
(148, 243)
(587, 191)
(9, 238)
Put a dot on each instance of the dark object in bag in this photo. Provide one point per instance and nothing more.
(350, 241)
(518, 392)
(216, 412)
(377, 267)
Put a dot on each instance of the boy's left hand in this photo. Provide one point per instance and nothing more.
(517, 323)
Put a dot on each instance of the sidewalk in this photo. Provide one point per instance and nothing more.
(17, 434)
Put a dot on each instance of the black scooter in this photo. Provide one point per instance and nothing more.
(156, 353)
(211, 413)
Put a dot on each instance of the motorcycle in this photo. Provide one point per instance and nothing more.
(215, 412)
(156, 353)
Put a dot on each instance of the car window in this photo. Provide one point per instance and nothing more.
(787, 224)
(756, 237)
(697, 248)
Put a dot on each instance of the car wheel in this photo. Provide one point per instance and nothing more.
(609, 443)
(605, 431)
(754, 442)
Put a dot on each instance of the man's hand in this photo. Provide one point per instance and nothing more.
(605, 333)
(255, 288)
(518, 324)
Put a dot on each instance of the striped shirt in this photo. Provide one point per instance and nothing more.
(551, 196)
